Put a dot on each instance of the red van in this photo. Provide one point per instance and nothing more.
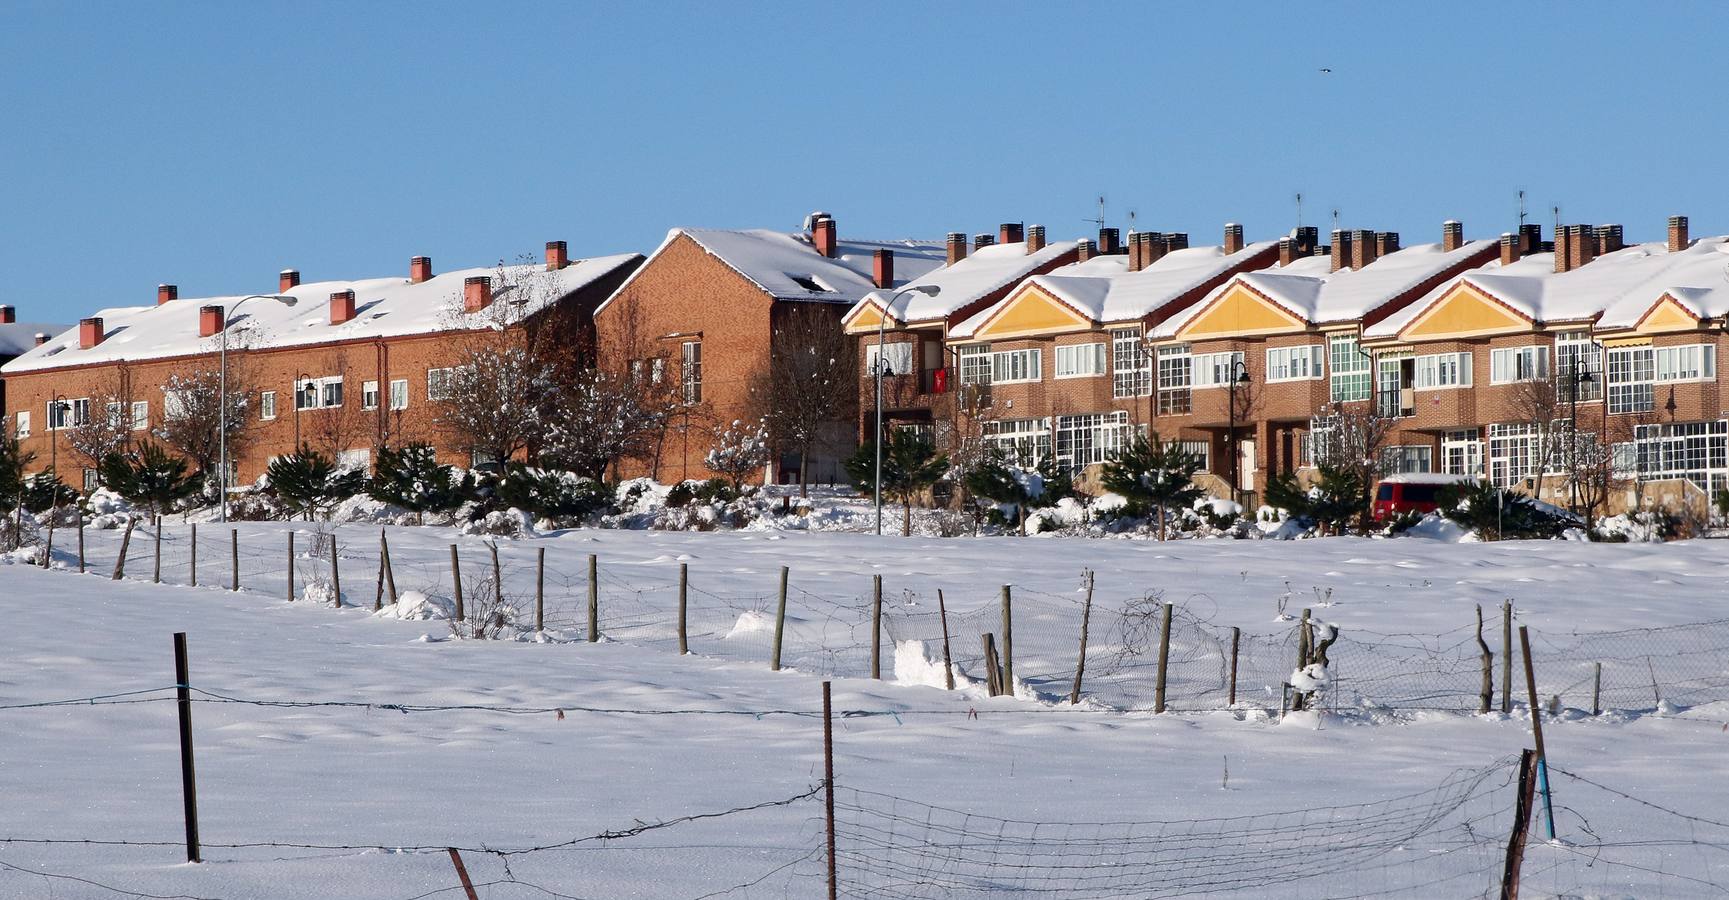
(1418, 493)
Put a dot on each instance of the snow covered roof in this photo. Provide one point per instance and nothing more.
(984, 272)
(787, 266)
(1616, 289)
(18, 337)
(383, 307)
(1307, 289)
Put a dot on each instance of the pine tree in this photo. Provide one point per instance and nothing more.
(1157, 473)
(309, 483)
(44, 491)
(910, 464)
(13, 459)
(150, 477)
(998, 482)
(413, 479)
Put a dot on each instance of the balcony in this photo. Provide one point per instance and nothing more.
(918, 390)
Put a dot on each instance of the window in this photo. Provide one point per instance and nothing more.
(1510, 364)
(318, 393)
(267, 405)
(81, 411)
(1216, 369)
(175, 404)
(1443, 370)
(1461, 453)
(656, 370)
(1632, 372)
(1175, 367)
(975, 363)
(369, 395)
(1696, 451)
(140, 415)
(306, 394)
(1515, 452)
(690, 371)
(399, 394)
(1017, 365)
(1080, 360)
(810, 283)
(1693, 362)
(1352, 377)
(92, 480)
(1131, 375)
(331, 391)
(1407, 459)
(1294, 363)
(355, 460)
(1201, 450)
(23, 428)
(440, 384)
(1091, 438)
(1022, 442)
(897, 358)
(1576, 355)
(68, 413)
(116, 415)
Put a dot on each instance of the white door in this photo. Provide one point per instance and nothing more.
(1246, 466)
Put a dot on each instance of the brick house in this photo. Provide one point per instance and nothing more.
(16, 339)
(347, 367)
(703, 308)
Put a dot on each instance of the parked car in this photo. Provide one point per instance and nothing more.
(1418, 493)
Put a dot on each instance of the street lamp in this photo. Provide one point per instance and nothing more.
(222, 396)
(56, 421)
(1238, 374)
(1577, 378)
(929, 290)
(300, 380)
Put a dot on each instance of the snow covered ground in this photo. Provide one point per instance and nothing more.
(717, 731)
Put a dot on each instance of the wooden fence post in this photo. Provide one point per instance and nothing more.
(156, 554)
(193, 566)
(125, 542)
(389, 568)
(1506, 657)
(593, 598)
(1521, 825)
(335, 575)
(1537, 731)
(188, 779)
(80, 540)
(948, 662)
(378, 589)
(779, 621)
(456, 579)
(1302, 656)
(1236, 638)
(1164, 659)
(48, 550)
(877, 627)
(462, 874)
(1081, 661)
(828, 783)
(497, 576)
(993, 675)
(234, 558)
(1597, 690)
(683, 632)
(290, 565)
(1486, 692)
(1008, 676)
(539, 590)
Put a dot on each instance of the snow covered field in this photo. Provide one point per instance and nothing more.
(717, 731)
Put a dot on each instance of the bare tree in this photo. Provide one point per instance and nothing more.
(1537, 404)
(599, 418)
(1350, 437)
(192, 413)
(109, 427)
(810, 383)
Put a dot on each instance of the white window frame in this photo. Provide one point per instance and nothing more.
(1632, 379)
(1131, 364)
(1305, 362)
(1576, 354)
(1442, 371)
(1080, 360)
(1215, 370)
(22, 427)
(398, 393)
(1175, 370)
(1511, 365)
(369, 395)
(1685, 362)
(690, 371)
(1023, 442)
(1088, 438)
(173, 405)
(1017, 366)
(440, 384)
(1351, 372)
(267, 405)
(974, 363)
(897, 354)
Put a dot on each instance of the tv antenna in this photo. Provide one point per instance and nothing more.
(1299, 209)
(1131, 221)
(1521, 212)
(1335, 218)
(1100, 221)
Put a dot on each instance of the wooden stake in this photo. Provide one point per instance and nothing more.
(389, 569)
(48, 550)
(1521, 825)
(156, 555)
(378, 590)
(779, 622)
(1537, 730)
(993, 675)
(1597, 690)
(1081, 661)
(1303, 638)
(948, 661)
(497, 576)
(456, 579)
(1236, 638)
(1486, 693)
(188, 779)
(877, 626)
(125, 542)
(593, 598)
(539, 590)
(193, 566)
(291, 566)
(234, 559)
(335, 575)
(1506, 657)
(462, 873)
(1008, 675)
(1164, 659)
(81, 540)
(683, 632)
(828, 782)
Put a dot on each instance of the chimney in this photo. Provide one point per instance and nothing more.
(41, 338)
(210, 320)
(419, 269)
(1035, 238)
(1176, 240)
(1154, 246)
(1608, 239)
(957, 247)
(8, 315)
(1233, 238)
(1010, 233)
(1341, 249)
(1110, 241)
(1363, 248)
(1308, 240)
(1085, 251)
(1386, 242)
(557, 256)
(90, 333)
(1530, 239)
(1137, 244)
(1452, 235)
(981, 241)
(476, 293)
(287, 280)
(1509, 249)
(341, 307)
(1677, 233)
(1581, 246)
(883, 268)
(1563, 242)
(1287, 250)
(823, 236)
(165, 293)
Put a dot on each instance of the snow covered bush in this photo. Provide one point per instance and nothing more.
(1158, 474)
(413, 479)
(1495, 514)
(739, 452)
(309, 483)
(551, 494)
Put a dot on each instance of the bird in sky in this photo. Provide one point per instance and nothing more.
(1326, 71)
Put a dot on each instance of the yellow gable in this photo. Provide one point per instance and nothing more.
(1030, 312)
(867, 318)
(1240, 312)
(1667, 315)
(1464, 312)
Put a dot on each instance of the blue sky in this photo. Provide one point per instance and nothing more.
(211, 145)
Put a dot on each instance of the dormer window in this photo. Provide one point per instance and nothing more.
(810, 283)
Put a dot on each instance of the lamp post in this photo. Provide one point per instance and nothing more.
(929, 290)
(1237, 374)
(1574, 380)
(56, 421)
(222, 397)
(300, 380)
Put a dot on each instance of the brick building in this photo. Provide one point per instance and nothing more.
(16, 339)
(704, 306)
(348, 366)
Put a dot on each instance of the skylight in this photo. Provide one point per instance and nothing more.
(810, 283)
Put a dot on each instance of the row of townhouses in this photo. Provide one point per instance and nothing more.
(1475, 351)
